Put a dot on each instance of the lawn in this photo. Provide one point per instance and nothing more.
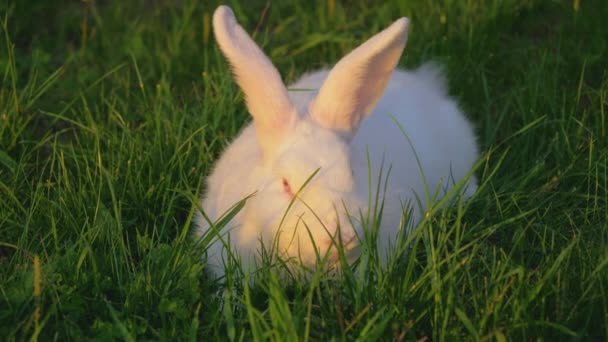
(112, 113)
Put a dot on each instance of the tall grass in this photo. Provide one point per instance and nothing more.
(112, 113)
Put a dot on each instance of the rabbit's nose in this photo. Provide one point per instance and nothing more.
(331, 247)
(347, 241)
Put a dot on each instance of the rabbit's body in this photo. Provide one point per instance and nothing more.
(327, 136)
(418, 101)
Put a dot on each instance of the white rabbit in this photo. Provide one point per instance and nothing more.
(297, 133)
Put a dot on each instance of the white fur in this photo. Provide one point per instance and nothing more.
(324, 130)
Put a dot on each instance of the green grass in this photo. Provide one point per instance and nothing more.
(112, 113)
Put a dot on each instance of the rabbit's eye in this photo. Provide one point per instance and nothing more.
(287, 187)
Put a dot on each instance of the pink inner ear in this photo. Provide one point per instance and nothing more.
(287, 188)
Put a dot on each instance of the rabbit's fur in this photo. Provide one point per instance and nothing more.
(335, 122)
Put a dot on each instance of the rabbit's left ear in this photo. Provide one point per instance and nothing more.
(358, 81)
(265, 94)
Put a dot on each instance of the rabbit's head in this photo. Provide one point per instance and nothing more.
(306, 201)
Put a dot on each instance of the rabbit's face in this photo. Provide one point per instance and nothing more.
(307, 203)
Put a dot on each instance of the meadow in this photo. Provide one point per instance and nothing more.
(112, 113)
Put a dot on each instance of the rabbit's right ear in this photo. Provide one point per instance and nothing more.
(265, 94)
(357, 82)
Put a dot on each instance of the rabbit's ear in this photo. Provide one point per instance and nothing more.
(265, 94)
(357, 82)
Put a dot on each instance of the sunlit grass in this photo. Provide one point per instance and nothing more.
(112, 113)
